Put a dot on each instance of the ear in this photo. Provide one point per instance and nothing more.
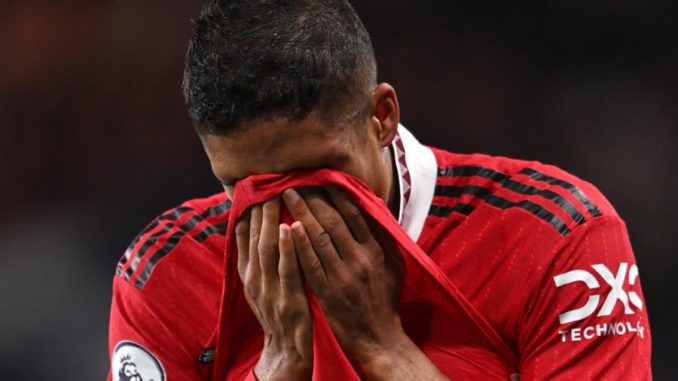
(385, 113)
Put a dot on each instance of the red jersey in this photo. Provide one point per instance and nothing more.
(539, 253)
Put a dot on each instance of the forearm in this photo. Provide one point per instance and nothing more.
(404, 361)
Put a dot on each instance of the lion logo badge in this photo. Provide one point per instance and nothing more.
(132, 362)
(129, 371)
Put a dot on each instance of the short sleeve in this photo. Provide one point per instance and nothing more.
(142, 341)
(166, 295)
(588, 320)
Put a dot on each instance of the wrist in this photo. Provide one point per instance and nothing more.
(282, 365)
(401, 360)
(381, 358)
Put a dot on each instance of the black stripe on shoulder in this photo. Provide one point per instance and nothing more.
(533, 208)
(170, 242)
(455, 191)
(547, 194)
(506, 182)
(174, 239)
(486, 195)
(151, 240)
(578, 193)
(172, 215)
(219, 229)
(218, 209)
(469, 170)
(444, 211)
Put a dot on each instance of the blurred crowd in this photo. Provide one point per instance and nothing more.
(96, 141)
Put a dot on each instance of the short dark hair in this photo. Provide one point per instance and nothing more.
(249, 60)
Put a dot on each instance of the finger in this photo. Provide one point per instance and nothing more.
(331, 221)
(288, 266)
(319, 240)
(268, 242)
(310, 263)
(351, 214)
(253, 275)
(242, 237)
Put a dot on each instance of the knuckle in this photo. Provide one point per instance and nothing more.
(285, 308)
(354, 214)
(316, 267)
(362, 275)
(347, 286)
(322, 240)
(267, 293)
(252, 291)
(288, 282)
(290, 312)
(374, 248)
(331, 220)
(266, 248)
(362, 268)
(287, 277)
(252, 279)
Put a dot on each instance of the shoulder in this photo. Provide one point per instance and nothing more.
(195, 228)
(498, 222)
(167, 288)
(529, 190)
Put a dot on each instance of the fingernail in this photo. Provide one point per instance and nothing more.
(298, 228)
(284, 231)
(290, 195)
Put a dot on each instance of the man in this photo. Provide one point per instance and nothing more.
(278, 86)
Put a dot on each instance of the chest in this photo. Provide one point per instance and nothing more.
(491, 257)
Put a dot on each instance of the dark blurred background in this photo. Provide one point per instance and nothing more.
(96, 141)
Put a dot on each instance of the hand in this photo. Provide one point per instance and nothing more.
(273, 286)
(357, 284)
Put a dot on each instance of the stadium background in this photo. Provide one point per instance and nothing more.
(96, 142)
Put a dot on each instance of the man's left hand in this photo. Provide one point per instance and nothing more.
(357, 284)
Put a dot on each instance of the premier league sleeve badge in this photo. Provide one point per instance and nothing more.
(132, 362)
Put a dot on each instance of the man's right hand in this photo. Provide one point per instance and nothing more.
(273, 285)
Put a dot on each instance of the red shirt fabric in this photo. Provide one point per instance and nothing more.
(541, 263)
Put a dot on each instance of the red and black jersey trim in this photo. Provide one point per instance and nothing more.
(506, 182)
(169, 235)
(563, 184)
(444, 211)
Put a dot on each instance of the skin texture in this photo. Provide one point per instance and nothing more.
(330, 246)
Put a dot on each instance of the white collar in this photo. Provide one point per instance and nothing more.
(417, 171)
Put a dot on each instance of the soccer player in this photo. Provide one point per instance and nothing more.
(542, 258)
